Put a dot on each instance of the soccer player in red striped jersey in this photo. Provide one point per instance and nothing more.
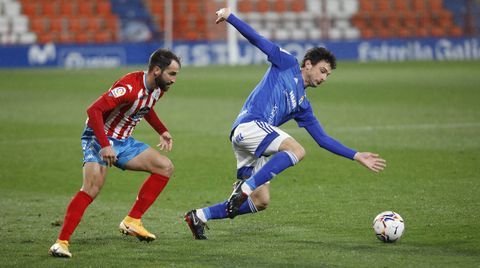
(107, 142)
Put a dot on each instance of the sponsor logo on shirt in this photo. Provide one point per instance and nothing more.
(140, 113)
(117, 92)
(293, 100)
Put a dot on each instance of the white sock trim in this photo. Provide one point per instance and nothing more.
(246, 189)
(201, 215)
(293, 157)
(252, 206)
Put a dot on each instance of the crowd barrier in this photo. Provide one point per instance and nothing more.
(215, 53)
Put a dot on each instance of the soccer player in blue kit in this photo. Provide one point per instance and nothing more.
(261, 148)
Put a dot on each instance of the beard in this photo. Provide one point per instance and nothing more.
(161, 83)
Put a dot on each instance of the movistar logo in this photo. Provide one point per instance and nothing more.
(40, 56)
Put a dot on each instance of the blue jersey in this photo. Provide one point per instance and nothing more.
(280, 95)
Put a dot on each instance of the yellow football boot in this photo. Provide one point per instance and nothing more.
(134, 227)
(60, 249)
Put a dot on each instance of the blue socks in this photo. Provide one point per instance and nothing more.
(278, 163)
(219, 211)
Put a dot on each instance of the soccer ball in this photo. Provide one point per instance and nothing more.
(388, 226)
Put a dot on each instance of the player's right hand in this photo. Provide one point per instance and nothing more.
(222, 14)
(108, 155)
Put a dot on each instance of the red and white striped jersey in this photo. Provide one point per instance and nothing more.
(128, 102)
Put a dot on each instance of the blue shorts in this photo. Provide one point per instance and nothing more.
(126, 149)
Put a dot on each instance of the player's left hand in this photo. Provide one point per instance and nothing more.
(166, 142)
(371, 161)
(222, 14)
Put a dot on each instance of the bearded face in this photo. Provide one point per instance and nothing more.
(160, 82)
(167, 76)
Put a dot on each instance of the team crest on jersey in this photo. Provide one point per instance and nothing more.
(301, 100)
(117, 92)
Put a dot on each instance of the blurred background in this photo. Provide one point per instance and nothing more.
(75, 33)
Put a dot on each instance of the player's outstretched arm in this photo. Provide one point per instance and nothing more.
(265, 45)
(371, 161)
(327, 142)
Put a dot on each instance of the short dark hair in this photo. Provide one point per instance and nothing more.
(162, 58)
(317, 54)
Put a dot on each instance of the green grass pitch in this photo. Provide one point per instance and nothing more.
(423, 117)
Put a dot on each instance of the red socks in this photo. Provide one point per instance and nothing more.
(149, 191)
(151, 188)
(74, 214)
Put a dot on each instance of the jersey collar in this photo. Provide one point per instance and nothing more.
(149, 90)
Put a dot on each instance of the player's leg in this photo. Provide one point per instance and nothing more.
(246, 140)
(94, 175)
(285, 152)
(197, 218)
(246, 164)
(219, 211)
(93, 179)
(160, 169)
(257, 201)
(261, 197)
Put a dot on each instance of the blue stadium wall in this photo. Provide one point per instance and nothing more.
(207, 53)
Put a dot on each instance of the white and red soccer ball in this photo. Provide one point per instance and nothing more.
(388, 226)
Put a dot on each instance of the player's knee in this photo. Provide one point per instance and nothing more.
(293, 147)
(299, 152)
(91, 188)
(92, 192)
(169, 168)
(261, 204)
(163, 166)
